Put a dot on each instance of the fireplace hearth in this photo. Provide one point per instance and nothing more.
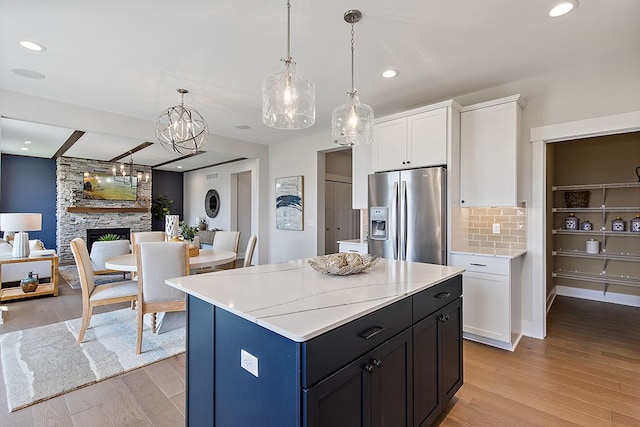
(93, 234)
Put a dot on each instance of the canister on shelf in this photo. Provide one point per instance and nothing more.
(593, 247)
(618, 224)
(586, 226)
(635, 224)
(571, 222)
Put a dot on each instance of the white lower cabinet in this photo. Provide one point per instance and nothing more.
(491, 303)
(356, 246)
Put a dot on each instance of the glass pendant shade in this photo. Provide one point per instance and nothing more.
(352, 122)
(181, 129)
(288, 99)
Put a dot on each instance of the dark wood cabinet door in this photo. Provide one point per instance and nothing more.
(451, 349)
(339, 400)
(391, 382)
(426, 385)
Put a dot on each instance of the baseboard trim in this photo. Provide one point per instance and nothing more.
(589, 294)
(551, 298)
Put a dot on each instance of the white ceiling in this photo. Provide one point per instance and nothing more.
(130, 57)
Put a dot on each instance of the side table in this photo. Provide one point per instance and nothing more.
(15, 293)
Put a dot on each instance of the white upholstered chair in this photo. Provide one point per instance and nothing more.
(92, 295)
(248, 253)
(226, 241)
(146, 236)
(103, 250)
(156, 262)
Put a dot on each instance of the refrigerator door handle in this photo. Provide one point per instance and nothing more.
(403, 221)
(394, 229)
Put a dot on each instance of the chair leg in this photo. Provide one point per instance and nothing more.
(86, 318)
(153, 322)
(140, 322)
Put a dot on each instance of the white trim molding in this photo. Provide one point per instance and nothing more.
(539, 137)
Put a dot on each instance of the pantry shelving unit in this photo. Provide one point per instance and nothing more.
(618, 261)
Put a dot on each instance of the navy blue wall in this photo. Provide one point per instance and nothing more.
(167, 184)
(29, 185)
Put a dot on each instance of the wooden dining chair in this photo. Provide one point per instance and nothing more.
(156, 262)
(226, 241)
(96, 295)
(248, 253)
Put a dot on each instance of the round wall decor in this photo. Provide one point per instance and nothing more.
(212, 203)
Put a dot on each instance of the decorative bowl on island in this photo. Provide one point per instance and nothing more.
(343, 264)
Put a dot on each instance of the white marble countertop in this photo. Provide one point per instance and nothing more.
(299, 303)
(498, 253)
(356, 241)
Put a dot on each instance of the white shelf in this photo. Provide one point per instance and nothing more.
(598, 278)
(596, 186)
(604, 256)
(597, 233)
(600, 209)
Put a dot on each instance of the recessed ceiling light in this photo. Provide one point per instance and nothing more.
(179, 167)
(30, 74)
(563, 8)
(390, 73)
(243, 127)
(32, 46)
(25, 148)
(27, 142)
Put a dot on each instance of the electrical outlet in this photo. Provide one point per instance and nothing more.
(249, 362)
(496, 228)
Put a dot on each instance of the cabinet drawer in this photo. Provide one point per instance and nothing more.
(332, 350)
(360, 248)
(436, 297)
(482, 264)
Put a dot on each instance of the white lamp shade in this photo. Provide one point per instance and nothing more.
(21, 222)
(288, 99)
(352, 122)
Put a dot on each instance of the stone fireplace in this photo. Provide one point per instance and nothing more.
(76, 215)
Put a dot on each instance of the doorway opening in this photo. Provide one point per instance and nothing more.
(241, 215)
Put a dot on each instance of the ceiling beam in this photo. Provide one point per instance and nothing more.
(177, 159)
(75, 136)
(218, 164)
(133, 150)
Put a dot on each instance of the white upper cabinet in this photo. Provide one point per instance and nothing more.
(415, 140)
(489, 139)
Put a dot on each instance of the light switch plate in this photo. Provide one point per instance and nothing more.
(496, 228)
(249, 362)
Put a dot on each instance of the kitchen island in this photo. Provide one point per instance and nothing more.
(284, 345)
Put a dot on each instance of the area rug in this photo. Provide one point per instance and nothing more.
(70, 275)
(44, 362)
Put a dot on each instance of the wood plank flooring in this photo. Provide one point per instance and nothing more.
(585, 373)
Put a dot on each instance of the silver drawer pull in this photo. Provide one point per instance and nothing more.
(353, 250)
(371, 332)
(477, 265)
(443, 295)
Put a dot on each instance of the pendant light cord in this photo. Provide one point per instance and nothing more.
(353, 85)
(288, 60)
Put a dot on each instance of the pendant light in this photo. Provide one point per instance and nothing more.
(181, 129)
(352, 122)
(288, 97)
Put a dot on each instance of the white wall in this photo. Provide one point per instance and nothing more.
(196, 186)
(588, 90)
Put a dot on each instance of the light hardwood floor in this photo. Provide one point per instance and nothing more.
(586, 373)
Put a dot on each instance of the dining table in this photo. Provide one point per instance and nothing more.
(206, 258)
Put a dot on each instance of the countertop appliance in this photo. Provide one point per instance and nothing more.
(407, 215)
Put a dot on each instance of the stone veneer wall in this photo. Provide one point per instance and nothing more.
(513, 228)
(69, 174)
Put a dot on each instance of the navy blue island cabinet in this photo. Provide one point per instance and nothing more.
(396, 366)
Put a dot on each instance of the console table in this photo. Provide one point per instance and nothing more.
(15, 293)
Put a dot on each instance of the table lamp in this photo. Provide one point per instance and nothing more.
(20, 223)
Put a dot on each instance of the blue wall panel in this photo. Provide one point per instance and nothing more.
(29, 185)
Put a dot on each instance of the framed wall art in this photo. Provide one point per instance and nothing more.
(290, 203)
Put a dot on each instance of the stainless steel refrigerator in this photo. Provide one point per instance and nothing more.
(407, 215)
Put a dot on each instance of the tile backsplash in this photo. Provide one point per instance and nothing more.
(513, 228)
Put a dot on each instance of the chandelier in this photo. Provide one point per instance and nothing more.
(288, 97)
(181, 129)
(125, 174)
(352, 122)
